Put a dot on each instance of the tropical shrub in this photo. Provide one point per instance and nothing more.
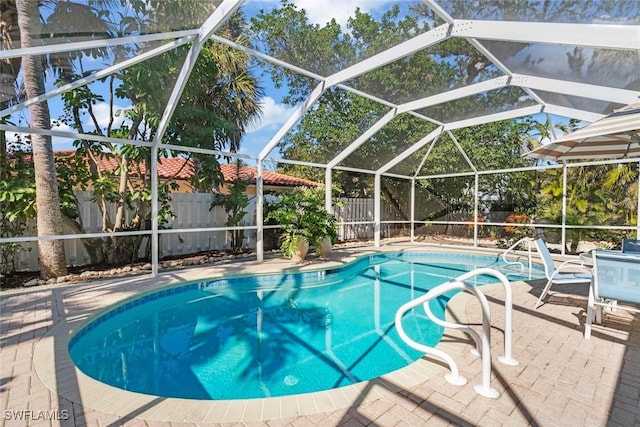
(302, 214)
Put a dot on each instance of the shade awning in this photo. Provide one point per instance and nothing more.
(612, 137)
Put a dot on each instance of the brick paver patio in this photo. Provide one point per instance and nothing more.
(561, 379)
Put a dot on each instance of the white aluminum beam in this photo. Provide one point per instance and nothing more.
(97, 75)
(377, 211)
(396, 175)
(413, 209)
(328, 185)
(409, 151)
(266, 57)
(486, 52)
(291, 121)
(355, 170)
(474, 170)
(424, 158)
(73, 236)
(553, 128)
(584, 90)
(362, 138)
(387, 103)
(74, 135)
(207, 151)
(494, 59)
(215, 20)
(565, 171)
(409, 47)
(476, 199)
(296, 162)
(464, 154)
(93, 44)
(625, 37)
(454, 94)
(489, 118)
(446, 175)
(435, 6)
(539, 168)
(259, 212)
(559, 110)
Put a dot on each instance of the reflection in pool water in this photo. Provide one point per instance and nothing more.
(264, 336)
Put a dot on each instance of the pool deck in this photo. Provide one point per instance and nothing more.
(561, 379)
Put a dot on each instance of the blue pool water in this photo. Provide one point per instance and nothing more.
(263, 336)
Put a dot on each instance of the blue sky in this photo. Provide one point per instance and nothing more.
(274, 112)
(318, 12)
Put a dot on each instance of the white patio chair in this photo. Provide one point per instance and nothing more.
(555, 275)
(616, 285)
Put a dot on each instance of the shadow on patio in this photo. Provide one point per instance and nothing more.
(561, 379)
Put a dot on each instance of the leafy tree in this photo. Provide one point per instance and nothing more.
(340, 117)
(17, 199)
(622, 181)
(219, 101)
(588, 203)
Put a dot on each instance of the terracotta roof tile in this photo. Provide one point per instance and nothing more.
(180, 168)
(269, 178)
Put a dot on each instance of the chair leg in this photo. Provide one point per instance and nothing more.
(587, 324)
(590, 313)
(598, 314)
(543, 294)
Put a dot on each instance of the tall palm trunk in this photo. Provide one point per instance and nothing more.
(49, 219)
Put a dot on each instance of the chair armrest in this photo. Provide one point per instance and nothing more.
(572, 264)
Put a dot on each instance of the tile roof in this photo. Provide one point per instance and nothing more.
(180, 168)
(269, 178)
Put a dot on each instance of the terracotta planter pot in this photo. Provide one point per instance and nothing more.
(324, 246)
(302, 247)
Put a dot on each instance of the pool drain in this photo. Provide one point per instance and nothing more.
(290, 380)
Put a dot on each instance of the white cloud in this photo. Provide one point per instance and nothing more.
(273, 115)
(58, 142)
(321, 12)
(102, 114)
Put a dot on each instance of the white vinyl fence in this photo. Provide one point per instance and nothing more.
(192, 211)
(356, 215)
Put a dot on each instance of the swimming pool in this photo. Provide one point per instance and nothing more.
(265, 336)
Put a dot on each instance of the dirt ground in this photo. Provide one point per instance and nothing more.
(102, 271)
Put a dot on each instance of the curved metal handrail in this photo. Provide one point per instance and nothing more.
(512, 247)
(507, 357)
(483, 343)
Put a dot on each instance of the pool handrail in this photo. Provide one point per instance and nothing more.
(507, 357)
(454, 377)
(515, 245)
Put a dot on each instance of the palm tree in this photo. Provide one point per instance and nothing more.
(49, 218)
(9, 69)
(220, 101)
(623, 178)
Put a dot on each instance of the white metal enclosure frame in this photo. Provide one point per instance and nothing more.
(477, 32)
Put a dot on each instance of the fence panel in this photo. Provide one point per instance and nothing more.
(355, 210)
(192, 211)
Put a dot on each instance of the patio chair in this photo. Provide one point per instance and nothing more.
(616, 285)
(555, 275)
(631, 246)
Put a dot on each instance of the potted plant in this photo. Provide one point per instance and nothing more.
(304, 221)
